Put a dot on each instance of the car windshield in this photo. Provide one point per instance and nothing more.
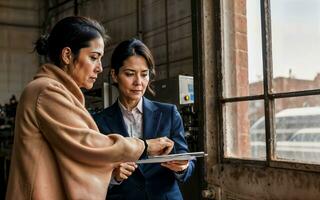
(298, 122)
(306, 137)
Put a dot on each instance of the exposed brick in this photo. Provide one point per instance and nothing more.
(241, 41)
(241, 59)
(240, 7)
(240, 22)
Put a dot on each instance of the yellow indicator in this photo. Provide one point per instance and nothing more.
(187, 97)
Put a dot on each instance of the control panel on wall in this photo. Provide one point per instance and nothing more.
(186, 91)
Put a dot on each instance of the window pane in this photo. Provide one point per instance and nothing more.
(241, 37)
(295, 44)
(297, 123)
(245, 130)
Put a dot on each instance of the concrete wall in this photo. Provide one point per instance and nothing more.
(19, 28)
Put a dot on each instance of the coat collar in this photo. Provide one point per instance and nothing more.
(115, 120)
(54, 72)
(151, 119)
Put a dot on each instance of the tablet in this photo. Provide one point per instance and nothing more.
(172, 157)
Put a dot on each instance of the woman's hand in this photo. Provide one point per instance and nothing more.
(176, 165)
(159, 146)
(124, 170)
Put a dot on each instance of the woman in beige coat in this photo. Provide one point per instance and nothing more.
(58, 152)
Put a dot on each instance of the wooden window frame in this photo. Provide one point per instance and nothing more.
(268, 97)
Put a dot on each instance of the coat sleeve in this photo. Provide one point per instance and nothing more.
(70, 129)
(180, 144)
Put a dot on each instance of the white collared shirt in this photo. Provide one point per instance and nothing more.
(133, 119)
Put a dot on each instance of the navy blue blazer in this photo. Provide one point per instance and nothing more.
(149, 181)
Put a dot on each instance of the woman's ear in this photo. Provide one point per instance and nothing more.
(66, 55)
(114, 76)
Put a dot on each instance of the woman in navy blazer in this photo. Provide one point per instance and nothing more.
(133, 115)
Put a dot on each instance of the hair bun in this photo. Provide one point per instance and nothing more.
(41, 45)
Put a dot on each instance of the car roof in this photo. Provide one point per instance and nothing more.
(308, 131)
(307, 135)
(304, 111)
(292, 112)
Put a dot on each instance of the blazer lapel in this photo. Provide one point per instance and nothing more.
(151, 119)
(115, 120)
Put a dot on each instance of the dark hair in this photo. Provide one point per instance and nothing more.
(74, 32)
(133, 47)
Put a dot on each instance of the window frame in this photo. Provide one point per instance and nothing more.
(268, 97)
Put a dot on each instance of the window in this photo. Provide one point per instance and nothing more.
(271, 80)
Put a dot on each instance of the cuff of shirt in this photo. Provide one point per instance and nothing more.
(114, 182)
(180, 175)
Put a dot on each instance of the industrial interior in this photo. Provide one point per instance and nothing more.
(243, 74)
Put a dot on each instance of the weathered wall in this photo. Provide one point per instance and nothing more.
(165, 27)
(249, 182)
(19, 28)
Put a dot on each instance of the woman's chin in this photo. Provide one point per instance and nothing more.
(135, 97)
(88, 87)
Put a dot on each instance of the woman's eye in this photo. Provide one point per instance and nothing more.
(145, 75)
(129, 74)
(93, 58)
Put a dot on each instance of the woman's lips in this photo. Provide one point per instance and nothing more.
(136, 91)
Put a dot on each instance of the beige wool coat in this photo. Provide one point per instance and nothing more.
(58, 152)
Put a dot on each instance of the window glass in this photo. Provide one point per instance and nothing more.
(295, 26)
(244, 131)
(241, 57)
(298, 129)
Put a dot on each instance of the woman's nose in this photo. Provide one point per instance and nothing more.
(99, 68)
(138, 80)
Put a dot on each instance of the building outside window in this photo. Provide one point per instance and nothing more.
(271, 80)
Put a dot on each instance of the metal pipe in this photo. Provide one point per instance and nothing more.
(167, 37)
(19, 25)
(139, 20)
(76, 8)
(58, 5)
(17, 7)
